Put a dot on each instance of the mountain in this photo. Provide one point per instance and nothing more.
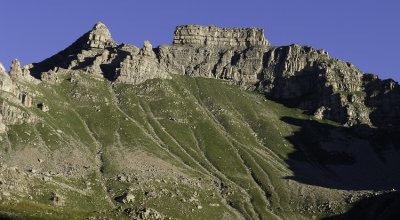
(218, 125)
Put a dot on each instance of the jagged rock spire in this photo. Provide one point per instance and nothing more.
(97, 38)
(5, 82)
(15, 69)
(147, 49)
(100, 36)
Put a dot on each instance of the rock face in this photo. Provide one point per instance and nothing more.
(6, 84)
(14, 97)
(296, 75)
(140, 65)
(15, 69)
(100, 37)
(219, 37)
(13, 115)
(234, 54)
(18, 73)
(310, 80)
(383, 98)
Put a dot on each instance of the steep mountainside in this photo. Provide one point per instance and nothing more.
(218, 125)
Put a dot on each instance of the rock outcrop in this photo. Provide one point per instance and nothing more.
(383, 100)
(219, 37)
(308, 79)
(136, 70)
(18, 73)
(14, 115)
(234, 54)
(140, 65)
(79, 54)
(15, 69)
(6, 84)
(100, 37)
(299, 76)
(13, 96)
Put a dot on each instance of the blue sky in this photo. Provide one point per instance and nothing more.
(365, 32)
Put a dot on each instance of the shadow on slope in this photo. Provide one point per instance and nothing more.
(382, 207)
(4, 216)
(336, 157)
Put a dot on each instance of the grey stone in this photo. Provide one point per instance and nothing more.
(15, 69)
(100, 37)
(57, 199)
(25, 99)
(127, 197)
(217, 36)
(12, 115)
(147, 49)
(6, 83)
(21, 74)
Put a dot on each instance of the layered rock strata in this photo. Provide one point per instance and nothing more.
(296, 75)
(219, 37)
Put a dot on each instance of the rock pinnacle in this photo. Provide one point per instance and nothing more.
(100, 36)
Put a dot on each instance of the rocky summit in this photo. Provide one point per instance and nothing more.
(218, 125)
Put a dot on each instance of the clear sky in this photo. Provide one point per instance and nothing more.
(365, 32)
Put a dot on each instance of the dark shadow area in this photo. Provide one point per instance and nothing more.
(308, 140)
(120, 199)
(64, 58)
(309, 88)
(358, 158)
(235, 58)
(381, 207)
(110, 70)
(88, 61)
(61, 59)
(306, 89)
(383, 96)
(4, 216)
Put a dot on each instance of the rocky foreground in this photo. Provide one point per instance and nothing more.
(218, 125)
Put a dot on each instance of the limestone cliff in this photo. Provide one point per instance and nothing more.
(299, 76)
(219, 37)
(15, 96)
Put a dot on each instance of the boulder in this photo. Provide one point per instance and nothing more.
(43, 107)
(147, 49)
(127, 197)
(57, 199)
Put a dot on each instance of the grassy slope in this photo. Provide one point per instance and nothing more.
(233, 140)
